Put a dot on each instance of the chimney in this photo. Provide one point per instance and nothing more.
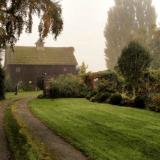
(40, 44)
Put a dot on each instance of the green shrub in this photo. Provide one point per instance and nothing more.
(151, 81)
(67, 86)
(139, 102)
(154, 103)
(105, 86)
(91, 94)
(87, 79)
(116, 99)
(29, 87)
(154, 108)
(127, 101)
(9, 85)
(41, 96)
(101, 97)
(109, 81)
(25, 86)
(93, 99)
(54, 91)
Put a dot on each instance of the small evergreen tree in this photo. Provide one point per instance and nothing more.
(134, 60)
(2, 84)
(83, 69)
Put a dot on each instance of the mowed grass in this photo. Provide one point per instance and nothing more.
(11, 95)
(102, 131)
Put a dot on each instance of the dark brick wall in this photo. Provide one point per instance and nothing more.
(32, 73)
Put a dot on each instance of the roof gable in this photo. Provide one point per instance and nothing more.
(47, 56)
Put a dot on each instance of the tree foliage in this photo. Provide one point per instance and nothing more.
(154, 46)
(83, 69)
(109, 81)
(15, 15)
(151, 42)
(151, 81)
(134, 60)
(128, 20)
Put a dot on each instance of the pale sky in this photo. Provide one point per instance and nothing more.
(84, 22)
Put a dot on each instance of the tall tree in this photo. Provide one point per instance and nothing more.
(83, 69)
(154, 46)
(15, 15)
(135, 59)
(127, 21)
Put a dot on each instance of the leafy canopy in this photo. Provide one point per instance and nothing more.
(15, 15)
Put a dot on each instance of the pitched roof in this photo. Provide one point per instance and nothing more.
(45, 56)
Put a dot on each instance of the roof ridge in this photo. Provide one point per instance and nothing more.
(44, 47)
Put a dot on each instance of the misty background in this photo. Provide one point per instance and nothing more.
(84, 23)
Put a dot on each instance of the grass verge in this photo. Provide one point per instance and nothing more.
(21, 143)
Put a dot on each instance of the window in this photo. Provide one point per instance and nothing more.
(65, 69)
(18, 69)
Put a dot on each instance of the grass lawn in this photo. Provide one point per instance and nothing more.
(103, 131)
(11, 95)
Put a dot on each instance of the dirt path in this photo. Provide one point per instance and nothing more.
(56, 146)
(4, 151)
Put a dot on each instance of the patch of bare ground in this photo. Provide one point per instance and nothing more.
(54, 144)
